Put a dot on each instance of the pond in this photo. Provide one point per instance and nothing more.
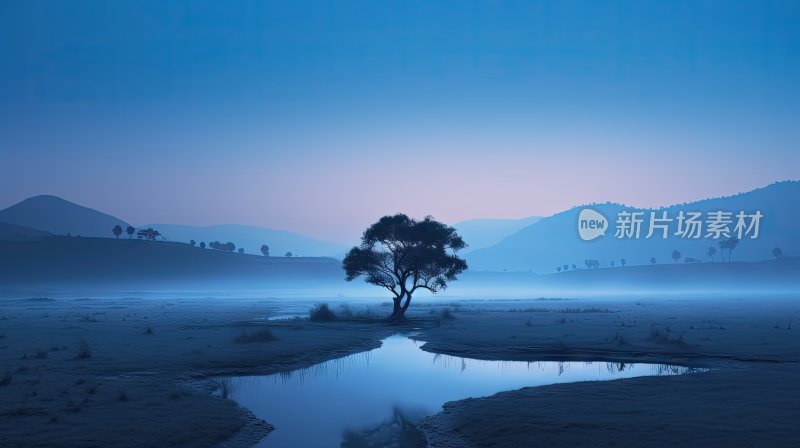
(377, 398)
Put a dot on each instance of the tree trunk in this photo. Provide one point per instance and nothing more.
(408, 302)
(397, 308)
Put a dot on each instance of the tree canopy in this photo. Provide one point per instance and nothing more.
(404, 255)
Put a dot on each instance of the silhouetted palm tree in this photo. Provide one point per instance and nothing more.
(711, 252)
(130, 231)
(729, 244)
(117, 230)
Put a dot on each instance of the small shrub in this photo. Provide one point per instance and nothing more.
(447, 314)
(321, 313)
(5, 380)
(345, 312)
(84, 349)
(263, 335)
(225, 386)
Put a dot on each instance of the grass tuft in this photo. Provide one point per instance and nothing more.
(5, 380)
(321, 313)
(84, 349)
(263, 335)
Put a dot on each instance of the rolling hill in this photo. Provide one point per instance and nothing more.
(60, 217)
(53, 215)
(481, 233)
(11, 232)
(553, 241)
(251, 238)
(90, 262)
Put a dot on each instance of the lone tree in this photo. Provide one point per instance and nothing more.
(130, 231)
(265, 250)
(227, 247)
(148, 234)
(623, 262)
(676, 256)
(117, 230)
(777, 252)
(288, 254)
(652, 260)
(729, 244)
(403, 255)
(202, 245)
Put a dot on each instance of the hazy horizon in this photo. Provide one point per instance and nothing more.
(321, 120)
(354, 233)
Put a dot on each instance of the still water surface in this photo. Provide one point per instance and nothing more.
(372, 398)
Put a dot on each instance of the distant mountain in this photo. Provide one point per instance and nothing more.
(11, 232)
(60, 217)
(554, 240)
(481, 233)
(251, 238)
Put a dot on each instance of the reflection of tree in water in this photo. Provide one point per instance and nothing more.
(398, 431)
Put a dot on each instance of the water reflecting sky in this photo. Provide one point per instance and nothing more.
(313, 407)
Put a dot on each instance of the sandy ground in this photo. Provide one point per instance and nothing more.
(750, 397)
(140, 378)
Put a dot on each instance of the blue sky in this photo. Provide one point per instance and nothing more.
(320, 117)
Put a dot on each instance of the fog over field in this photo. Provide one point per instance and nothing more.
(363, 224)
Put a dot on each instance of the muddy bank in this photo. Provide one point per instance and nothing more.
(125, 372)
(749, 398)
